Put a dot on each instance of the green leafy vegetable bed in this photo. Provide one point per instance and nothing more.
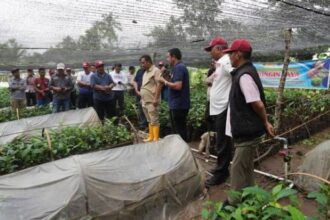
(25, 152)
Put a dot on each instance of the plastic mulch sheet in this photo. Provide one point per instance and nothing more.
(34, 125)
(316, 162)
(143, 181)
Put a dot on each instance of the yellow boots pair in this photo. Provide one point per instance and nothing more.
(153, 133)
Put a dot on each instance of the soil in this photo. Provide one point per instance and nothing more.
(272, 164)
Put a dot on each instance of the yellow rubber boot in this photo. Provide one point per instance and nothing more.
(151, 134)
(156, 132)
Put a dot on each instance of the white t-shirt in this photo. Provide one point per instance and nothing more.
(219, 92)
(251, 93)
(116, 77)
(82, 76)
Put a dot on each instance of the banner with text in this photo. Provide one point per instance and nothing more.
(302, 75)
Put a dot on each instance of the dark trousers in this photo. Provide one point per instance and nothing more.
(31, 98)
(73, 98)
(85, 100)
(142, 118)
(179, 122)
(119, 100)
(105, 109)
(223, 146)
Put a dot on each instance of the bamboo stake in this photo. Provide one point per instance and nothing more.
(49, 144)
(17, 113)
(279, 101)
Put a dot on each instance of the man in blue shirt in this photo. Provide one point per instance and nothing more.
(178, 93)
(103, 96)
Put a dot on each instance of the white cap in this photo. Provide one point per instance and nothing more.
(60, 66)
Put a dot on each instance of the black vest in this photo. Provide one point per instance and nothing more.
(245, 123)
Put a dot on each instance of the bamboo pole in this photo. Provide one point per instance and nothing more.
(49, 144)
(17, 113)
(279, 101)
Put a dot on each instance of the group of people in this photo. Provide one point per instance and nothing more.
(236, 101)
(106, 91)
(236, 108)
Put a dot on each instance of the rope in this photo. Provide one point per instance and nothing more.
(297, 127)
(311, 175)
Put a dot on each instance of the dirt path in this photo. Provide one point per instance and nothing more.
(273, 165)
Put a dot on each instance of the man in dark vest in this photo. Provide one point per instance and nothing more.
(247, 121)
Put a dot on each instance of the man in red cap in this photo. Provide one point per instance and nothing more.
(219, 96)
(103, 96)
(247, 121)
(85, 98)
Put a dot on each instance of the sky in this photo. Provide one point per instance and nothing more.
(43, 23)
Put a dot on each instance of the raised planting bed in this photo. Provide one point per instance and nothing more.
(27, 151)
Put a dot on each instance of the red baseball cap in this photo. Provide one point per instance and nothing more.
(85, 65)
(216, 41)
(99, 63)
(241, 45)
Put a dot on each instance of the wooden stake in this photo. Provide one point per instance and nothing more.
(49, 144)
(279, 101)
(17, 113)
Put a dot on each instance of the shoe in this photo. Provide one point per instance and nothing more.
(213, 181)
(155, 132)
(151, 134)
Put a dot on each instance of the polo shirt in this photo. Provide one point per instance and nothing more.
(82, 76)
(102, 80)
(179, 99)
(14, 92)
(221, 84)
(149, 83)
(41, 84)
(61, 82)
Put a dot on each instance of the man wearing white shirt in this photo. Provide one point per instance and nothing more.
(219, 96)
(120, 79)
(85, 90)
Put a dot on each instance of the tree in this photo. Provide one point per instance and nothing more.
(107, 28)
(91, 40)
(67, 43)
(102, 35)
(173, 33)
(200, 17)
(11, 52)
